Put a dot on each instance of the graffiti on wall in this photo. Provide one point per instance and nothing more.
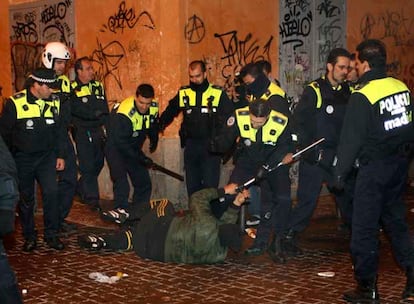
(116, 56)
(237, 52)
(194, 30)
(396, 29)
(308, 30)
(32, 25)
(126, 18)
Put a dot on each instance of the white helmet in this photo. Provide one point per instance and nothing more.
(52, 51)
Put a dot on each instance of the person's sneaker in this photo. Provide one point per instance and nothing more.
(254, 220)
(67, 228)
(55, 243)
(91, 242)
(118, 215)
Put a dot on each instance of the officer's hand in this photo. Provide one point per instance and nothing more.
(153, 144)
(60, 164)
(147, 162)
(337, 184)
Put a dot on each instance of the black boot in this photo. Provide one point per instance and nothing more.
(290, 246)
(276, 251)
(365, 292)
(408, 293)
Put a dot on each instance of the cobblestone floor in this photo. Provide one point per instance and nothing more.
(49, 276)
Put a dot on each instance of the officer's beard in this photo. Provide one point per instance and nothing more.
(199, 87)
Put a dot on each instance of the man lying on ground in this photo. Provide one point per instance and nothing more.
(159, 233)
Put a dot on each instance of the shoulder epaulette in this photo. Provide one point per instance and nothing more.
(279, 119)
(154, 103)
(359, 86)
(184, 87)
(214, 86)
(243, 112)
(19, 95)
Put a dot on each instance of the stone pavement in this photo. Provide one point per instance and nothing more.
(50, 276)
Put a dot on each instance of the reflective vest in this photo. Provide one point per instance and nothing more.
(209, 100)
(272, 89)
(94, 88)
(64, 84)
(139, 121)
(391, 98)
(41, 108)
(271, 130)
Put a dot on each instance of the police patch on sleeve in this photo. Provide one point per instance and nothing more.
(230, 121)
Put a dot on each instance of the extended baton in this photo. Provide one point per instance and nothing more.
(162, 169)
(268, 169)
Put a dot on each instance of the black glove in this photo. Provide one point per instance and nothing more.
(262, 172)
(146, 161)
(337, 184)
(153, 144)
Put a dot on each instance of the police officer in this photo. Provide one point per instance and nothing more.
(31, 127)
(55, 56)
(9, 196)
(319, 114)
(264, 140)
(259, 86)
(377, 130)
(89, 114)
(130, 123)
(205, 108)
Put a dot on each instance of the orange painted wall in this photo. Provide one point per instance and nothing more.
(5, 71)
(167, 35)
(393, 23)
(160, 37)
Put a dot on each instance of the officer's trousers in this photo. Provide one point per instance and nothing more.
(120, 168)
(67, 180)
(9, 291)
(42, 167)
(310, 180)
(378, 201)
(202, 169)
(89, 145)
(275, 198)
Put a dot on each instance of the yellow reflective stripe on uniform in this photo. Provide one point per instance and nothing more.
(243, 122)
(26, 110)
(92, 88)
(65, 84)
(127, 108)
(271, 130)
(128, 235)
(272, 90)
(315, 86)
(381, 88)
(211, 91)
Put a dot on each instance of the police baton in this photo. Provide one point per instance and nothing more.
(269, 169)
(162, 169)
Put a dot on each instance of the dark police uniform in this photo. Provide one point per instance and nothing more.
(9, 196)
(319, 114)
(32, 129)
(266, 145)
(68, 177)
(127, 131)
(89, 113)
(377, 127)
(205, 108)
